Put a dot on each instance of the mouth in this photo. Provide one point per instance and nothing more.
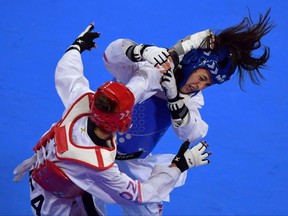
(192, 89)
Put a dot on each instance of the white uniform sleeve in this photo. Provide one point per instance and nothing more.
(142, 78)
(196, 127)
(112, 186)
(69, 78)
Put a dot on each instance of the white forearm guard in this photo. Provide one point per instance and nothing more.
(190, 42)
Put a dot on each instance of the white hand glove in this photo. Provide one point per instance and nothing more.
(188, 158)
(179, 112)
(168, 83)
(158, 57)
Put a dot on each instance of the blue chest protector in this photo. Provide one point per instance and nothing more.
(150, 121)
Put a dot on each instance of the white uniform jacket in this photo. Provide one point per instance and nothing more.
(143, 79)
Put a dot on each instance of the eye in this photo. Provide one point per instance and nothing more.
(203, 78)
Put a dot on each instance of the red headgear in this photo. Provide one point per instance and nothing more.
(120, 119)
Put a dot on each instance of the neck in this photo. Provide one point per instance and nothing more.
(102, 134)
(98, 136)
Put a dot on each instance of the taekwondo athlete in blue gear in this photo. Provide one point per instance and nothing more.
(220, 56)
(151, 118)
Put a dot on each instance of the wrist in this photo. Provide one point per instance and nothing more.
(172, 93)
(135, 52)
(174, 99)
(181, 167)
(74, 46)
(174, 166)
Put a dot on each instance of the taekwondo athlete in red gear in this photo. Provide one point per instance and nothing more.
(74, 159)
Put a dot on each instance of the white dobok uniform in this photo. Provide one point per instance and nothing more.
(90, 167)
(151, 119)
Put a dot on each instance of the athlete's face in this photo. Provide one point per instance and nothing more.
(198, 80)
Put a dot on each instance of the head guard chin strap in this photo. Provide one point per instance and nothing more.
(217, 62)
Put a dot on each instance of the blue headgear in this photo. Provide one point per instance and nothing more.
(217, 62)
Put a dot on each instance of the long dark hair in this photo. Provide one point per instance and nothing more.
(242, 40)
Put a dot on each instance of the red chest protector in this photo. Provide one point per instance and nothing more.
(52, 178)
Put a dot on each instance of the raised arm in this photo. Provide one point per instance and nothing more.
(142, 78)
(69, 75)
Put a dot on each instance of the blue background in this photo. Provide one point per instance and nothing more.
(247, 135)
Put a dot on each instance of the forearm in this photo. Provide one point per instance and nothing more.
(140, 77)
(161, 183)
(144, 83)
(69, 77)
(194, 41)
(115, 53)
(113, 186)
